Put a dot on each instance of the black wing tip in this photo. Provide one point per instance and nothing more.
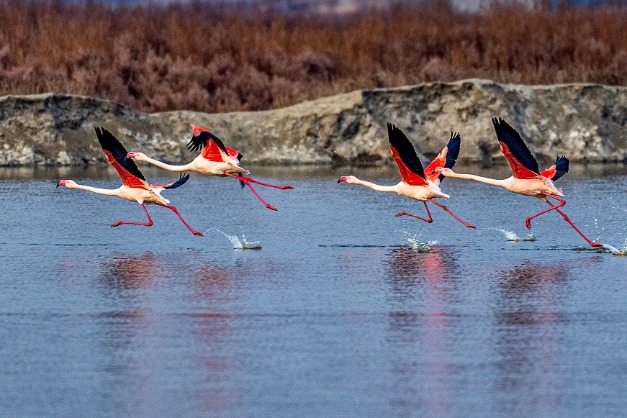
(107, 140)
(194, 144)
(183, 177)
(454, 146)
(562, 165)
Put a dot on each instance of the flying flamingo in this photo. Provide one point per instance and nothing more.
(416, 182)
(214, 160)
(527, 178)
(135, 187)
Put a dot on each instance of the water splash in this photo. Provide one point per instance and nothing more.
(421, 247)
(240, 244)
(511, 235)
(616, 251)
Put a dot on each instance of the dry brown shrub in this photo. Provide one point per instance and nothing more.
(190, 56)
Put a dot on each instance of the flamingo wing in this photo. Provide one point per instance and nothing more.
(557, 170)
(235, 154)
(405, 157)
(213, 148)
(116, 155)
(446, 158)
(160, 187)
(522, 162)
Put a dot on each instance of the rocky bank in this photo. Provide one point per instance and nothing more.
(586, 122)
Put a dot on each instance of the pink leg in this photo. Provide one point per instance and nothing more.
(590, 242)
(251, 180)
(565, 217)
(173, 209)
(562, 203)
(452, 214)
(416, 216)
(247, 182)
(149, 223)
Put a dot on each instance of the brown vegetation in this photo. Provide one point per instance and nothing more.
(156, 58)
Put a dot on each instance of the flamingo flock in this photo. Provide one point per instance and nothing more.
(417, 183)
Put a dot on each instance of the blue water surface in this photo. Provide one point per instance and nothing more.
(338, 314)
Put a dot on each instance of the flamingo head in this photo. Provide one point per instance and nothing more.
(67, 183)
(346, 179)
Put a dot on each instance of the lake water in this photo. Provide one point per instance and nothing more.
(338, 314)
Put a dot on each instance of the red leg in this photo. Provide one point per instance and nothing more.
(149, 223)
(416, 216)
(451, 213)
(173, 209)
(565, 217)
(247, 181)
(251, 180)
(590, 242)
(562, 203)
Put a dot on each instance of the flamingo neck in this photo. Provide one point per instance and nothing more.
(376, 187)
(97, 190)
(169, 167)
(485, 180)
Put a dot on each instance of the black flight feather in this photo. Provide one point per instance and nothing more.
(561, 167)
(110, 143)
(454, 144)
(202, 139)
(181, 181)
(405, 150)
(515, 144)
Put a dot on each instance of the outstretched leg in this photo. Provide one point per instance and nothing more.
(566, 218)
(418, 217)
(247, 181)
(561, 201)
(252, 180)
(466, 224)
(173, 209)
(149, 223)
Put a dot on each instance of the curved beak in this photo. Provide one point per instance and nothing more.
(341, 179)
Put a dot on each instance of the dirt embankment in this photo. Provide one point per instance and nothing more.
(586, 122)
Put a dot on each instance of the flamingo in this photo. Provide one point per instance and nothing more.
(526, 179)
(214, 160)
(416, 182)
(135, 187)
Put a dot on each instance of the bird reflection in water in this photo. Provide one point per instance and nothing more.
(528, 330)
(421, 286)
(216, 289)
(126, 324)
(127, 272)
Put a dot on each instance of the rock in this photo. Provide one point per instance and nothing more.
(585, 122)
